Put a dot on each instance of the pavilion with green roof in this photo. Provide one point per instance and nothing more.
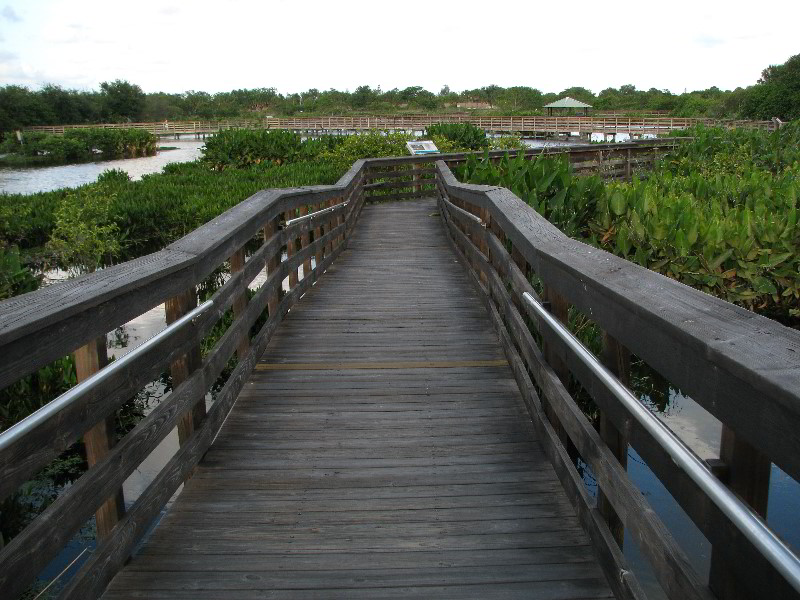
(567, 103)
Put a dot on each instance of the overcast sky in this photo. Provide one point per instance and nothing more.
(294, 45)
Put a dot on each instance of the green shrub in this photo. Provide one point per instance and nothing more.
(15, 277)
(464, 135)
(719, 213)
(78, 145)
(371, 144)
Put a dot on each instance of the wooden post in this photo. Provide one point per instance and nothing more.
(305, 240)
(271, 229)
(618, 360)
(89, 359)
(240, 303)
(318, 234)
(628, 167)
(559, 307)
(417, 177)
(748, 472)
(290, 251)
(519, 260)
(187, 364)
(339, 221)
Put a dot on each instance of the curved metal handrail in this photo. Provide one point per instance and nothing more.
(778, 554)
(51, 409)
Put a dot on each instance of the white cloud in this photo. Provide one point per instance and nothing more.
(178, 46)
(9, 14)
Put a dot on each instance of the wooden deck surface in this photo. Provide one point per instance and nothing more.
(381, 450)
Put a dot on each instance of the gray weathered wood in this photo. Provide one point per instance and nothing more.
(352, 477)
(681, 333)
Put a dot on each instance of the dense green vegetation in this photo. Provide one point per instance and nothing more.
(239, 148)
(153, 212)
(718, 214)
(77, 145)
(116, 219)
(776, 94)
(464, 135)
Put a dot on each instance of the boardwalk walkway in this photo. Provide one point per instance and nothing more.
(381, 450)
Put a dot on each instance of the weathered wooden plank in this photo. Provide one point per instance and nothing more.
(622, 581)
(391, 185)
(373, 175)
(94, 576)
(325, 456)
(400, 196)
(99, 440)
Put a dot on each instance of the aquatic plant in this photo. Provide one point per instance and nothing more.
(464, 135)
(719, 213)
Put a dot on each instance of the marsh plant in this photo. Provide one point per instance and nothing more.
(719, 213)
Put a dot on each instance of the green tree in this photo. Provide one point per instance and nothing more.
(363, 97)
(20, 107)
(85, 236)
(490, 92)
(579, 93)
(122, 100)
(520, 98)
(777, 93)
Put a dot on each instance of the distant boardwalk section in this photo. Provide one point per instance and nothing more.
(527, 125)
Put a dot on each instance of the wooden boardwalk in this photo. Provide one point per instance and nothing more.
(380, 450)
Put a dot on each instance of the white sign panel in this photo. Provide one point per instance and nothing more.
(422, 147)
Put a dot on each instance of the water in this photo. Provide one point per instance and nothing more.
(29, 180)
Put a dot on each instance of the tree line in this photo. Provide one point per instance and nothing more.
(775, 94)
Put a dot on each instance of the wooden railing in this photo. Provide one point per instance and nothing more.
(742, 368)
(721, 355)
(71, 317)
(532, 124)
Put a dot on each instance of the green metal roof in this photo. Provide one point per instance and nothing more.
(567, 102)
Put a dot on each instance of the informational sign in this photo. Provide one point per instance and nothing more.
(422, 147)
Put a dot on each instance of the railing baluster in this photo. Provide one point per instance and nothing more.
(618, 360)
(559, 307)
(290, 251)
(89, 359)
(182, 368)
(240, 302)
(305, 240)
(318, 234)
(273, 261)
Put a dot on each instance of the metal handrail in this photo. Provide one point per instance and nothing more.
(314, 214)
(778, 554)
(19, 430)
